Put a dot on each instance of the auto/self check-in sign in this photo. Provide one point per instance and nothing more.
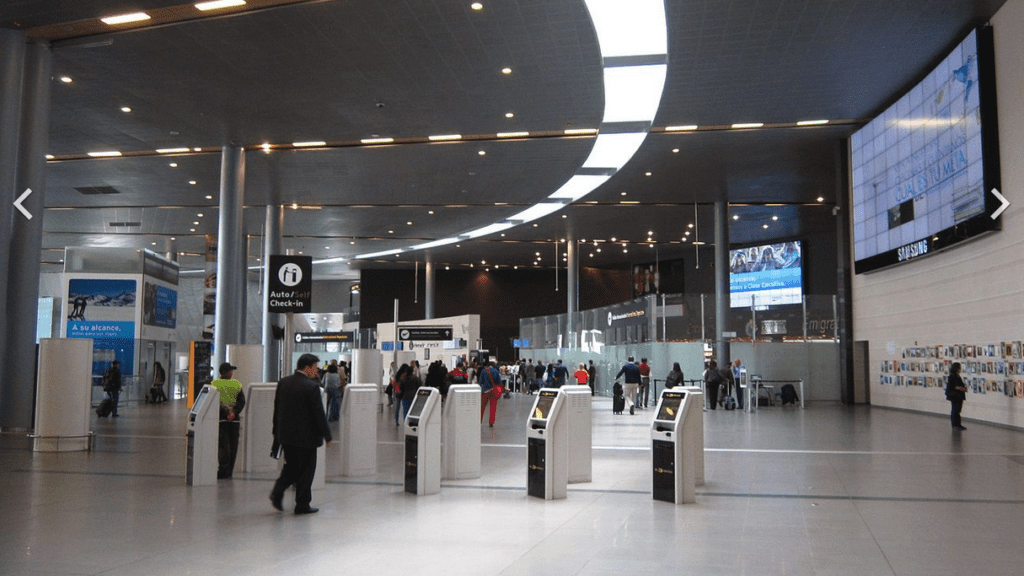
(291, 284)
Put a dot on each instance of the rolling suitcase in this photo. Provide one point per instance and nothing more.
(618, 400)
(105, 408)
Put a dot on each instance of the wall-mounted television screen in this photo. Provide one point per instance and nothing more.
(922, 171)
(766, 275)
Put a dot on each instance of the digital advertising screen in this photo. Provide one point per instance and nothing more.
(670, 404)
(923, 170)
(766, 275)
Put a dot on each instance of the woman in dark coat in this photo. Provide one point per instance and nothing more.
(956, 393)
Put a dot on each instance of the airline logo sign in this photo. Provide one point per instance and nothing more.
(291, 284)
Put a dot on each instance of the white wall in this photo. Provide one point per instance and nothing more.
(972, 294)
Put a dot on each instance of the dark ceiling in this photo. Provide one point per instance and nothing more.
(345, 70)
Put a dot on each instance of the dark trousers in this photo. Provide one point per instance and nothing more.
(954, 414)
(299, 466)
(712, 393)
(227, 449)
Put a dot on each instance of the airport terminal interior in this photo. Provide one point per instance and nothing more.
(826, 189)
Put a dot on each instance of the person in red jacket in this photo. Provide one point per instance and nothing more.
(643, 394)
(581, 375)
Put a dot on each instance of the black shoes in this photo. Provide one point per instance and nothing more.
(959, 427)
(306, 510)
(275, 501)
(631, 411)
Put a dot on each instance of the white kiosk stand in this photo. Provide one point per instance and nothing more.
(693, 431)
(359, 430)
(460, 432)
(258, 428)
(423, 443)
(203, 435)
(580, 416)
(671, 453)
(547, 470)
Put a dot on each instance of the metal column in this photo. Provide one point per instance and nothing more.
(12, 63)
(22, 279)
(722, 282)
(230, 320)
(429, 288)
(572, 289)
(271, 245)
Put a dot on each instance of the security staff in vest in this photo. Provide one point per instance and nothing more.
(300, 427)
(232, 402)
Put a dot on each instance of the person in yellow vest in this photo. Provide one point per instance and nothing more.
(232, 402)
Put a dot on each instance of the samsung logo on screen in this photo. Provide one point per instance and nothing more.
(919, 248)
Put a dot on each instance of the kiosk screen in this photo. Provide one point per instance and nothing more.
(417, 405)
(670, 404)
(544, 402)
(199, 402)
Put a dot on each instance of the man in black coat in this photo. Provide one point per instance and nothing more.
(300, 427)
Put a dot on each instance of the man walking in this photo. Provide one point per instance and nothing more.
(300, 427)
(632, 377)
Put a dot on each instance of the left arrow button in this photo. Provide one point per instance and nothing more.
(17, 203)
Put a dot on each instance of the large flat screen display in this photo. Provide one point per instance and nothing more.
(766, 275)
(923, 170)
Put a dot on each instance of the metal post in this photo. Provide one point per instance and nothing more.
(572, 287)
(805, 317)
(753, 320)
(394, 341)
(722, 280)
(429, 289)
(231, 274)
(271, 245)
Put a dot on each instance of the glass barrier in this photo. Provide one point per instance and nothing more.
(681, 318)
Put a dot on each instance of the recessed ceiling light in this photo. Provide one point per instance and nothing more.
(482, 152)
(152, 243)
(736, 217)
(506, 70)
(675, 150)
(192, 182)
(192, 229)
(409, 223)
(309, 143)
(443, 137)
(197, 149)
(565, 215)
(265, 146)
(105, 154)
(49, 156)
(209, 197)
(391, 231)
(125, 18)
(811, 122)
(647, 173)
(125, 109)
(447, 267)
(775, 218)
(430, 212)
(327, 247)
(171, 150)
(579, 131)
(173, 238)
(217, 4)
(200, 214)
(625, 250)
(476, 6)
(377, 140)
(195, 223)
(509, 115)
(353, 242)
(686, 128)
(821, 199)
(622, 194)
(173, 164)
(66, 79)
(742, 125)
(765, 226)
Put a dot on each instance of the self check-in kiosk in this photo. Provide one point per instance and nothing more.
(547, 470)
(359, 430)
(423, 443)
(203, 435)
(580, 441)
(460, 432)
(672, 455)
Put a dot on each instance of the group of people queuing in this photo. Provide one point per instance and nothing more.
(633, 383)
(721, 383)
(532, 376)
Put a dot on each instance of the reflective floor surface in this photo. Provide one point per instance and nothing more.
(830, 490)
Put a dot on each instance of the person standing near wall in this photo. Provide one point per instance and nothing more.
(956, 393)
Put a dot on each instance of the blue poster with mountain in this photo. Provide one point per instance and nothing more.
(104, 310)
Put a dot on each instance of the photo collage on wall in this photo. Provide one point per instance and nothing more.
(986, 369)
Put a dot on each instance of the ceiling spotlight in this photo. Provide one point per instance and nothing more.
(152, 243)
(736, 217)
(598, 250)
(775, 218)
(66, 79)
(209, 197)
(195, 223)
(565, 216)
(391, 231)
(476, 6)
(625, 250)
(622, 193)
(675, 150)
(353, 242)
(125, 109)
(821, 199)
(765, 226)
(509, 115)
(447, 267)
(613, 238)
(506, 70)
(173, 164)
(482, 152)
(409, 223)
(192, 182)
(647, 173)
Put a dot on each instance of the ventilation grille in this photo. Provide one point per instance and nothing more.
(125, 224)
(98, 190)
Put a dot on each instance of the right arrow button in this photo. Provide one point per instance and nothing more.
(1003, 204)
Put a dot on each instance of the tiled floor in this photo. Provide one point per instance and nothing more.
(830, 490)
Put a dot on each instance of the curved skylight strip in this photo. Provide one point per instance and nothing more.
(579, 186)
(628, 32)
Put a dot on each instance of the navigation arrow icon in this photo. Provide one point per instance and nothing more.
(28, 215)
(1003, 204)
